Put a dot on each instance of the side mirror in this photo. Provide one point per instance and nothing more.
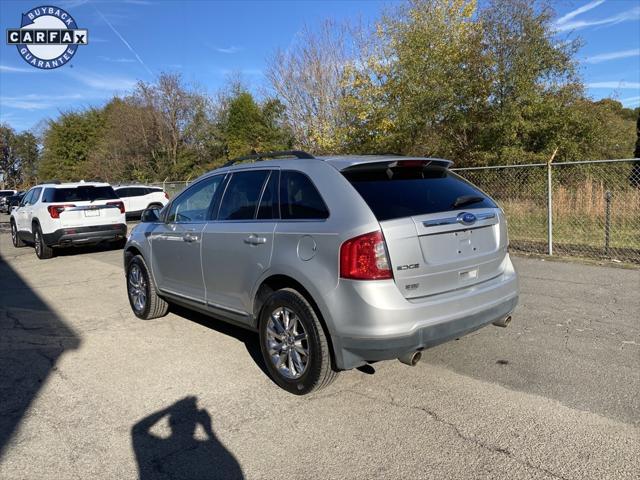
(150, 215)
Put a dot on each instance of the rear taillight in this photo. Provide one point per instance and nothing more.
(120, 205)
(365, 258)
(166, 195)
(55, 210)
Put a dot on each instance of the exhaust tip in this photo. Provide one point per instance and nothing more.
(411, 359)
(503, 322)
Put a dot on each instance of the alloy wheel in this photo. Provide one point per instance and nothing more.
(287, 343)
(137, 288)
(37, 241)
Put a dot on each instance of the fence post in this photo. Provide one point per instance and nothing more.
(607, 222)
(550, 205)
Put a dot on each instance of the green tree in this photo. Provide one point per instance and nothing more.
(19, 157)
(69, 143)
(8, 159)
(247, 126)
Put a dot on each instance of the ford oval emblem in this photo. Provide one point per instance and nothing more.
(466, 218)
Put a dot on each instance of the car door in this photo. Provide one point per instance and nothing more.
(20, 214)
(138, 199)
(123, 193)
(176, 242)
(27, 209)
(30, 207)
(237, 246)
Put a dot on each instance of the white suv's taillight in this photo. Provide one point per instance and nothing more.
(55, 210)
(118, 204)
(365, 258)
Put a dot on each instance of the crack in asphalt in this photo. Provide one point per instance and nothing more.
(548, 279)
(17, 323)
(471, 439)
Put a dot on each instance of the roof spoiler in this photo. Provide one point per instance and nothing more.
(400, 163)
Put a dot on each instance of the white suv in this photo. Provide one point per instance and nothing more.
(67, 214)
(137, 198)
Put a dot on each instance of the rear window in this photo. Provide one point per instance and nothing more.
(406, 192)
(7, 193)
(86, 193)
(299, 198)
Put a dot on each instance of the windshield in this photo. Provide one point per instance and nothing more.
(87, 193)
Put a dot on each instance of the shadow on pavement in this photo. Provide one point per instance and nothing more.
(32, 339)
(250, 339)
(187, 452)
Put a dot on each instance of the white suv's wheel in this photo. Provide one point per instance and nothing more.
(43, 251)
(15, 238)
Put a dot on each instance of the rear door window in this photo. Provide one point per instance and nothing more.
(25, 200)
(35, 195)
(137, 191)
(268, 208)
(242, 194)
(407, 192)
(299, 198)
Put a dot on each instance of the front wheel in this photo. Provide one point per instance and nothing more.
(43, 251)
(293, 343)
(15, 238)
(143, 298)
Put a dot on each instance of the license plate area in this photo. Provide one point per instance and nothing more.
(468, 275)
(447, 247)
(92, 213)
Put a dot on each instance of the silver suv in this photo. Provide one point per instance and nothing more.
(336, 261)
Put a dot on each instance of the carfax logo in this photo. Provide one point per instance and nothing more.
(48, 37)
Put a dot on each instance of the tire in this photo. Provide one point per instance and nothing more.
(43, 251)
(283, 356)
(119, 244)
(15, 238)
(139, 282)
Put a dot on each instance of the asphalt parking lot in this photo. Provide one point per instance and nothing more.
(89, 391)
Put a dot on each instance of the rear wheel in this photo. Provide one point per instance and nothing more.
(119, 244)
(293, 343)
(43, 251)
(15, 238)
(143, 298)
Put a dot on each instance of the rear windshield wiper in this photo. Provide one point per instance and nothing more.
(463, 200)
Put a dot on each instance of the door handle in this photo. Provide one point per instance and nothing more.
(190, 238)
(254, 240)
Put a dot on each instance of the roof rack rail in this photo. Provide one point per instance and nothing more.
(257, 157)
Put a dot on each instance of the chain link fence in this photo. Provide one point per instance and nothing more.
(171, 188)
(587, 209)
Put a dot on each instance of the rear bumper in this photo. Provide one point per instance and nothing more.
(374, 321)
(86, 235)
